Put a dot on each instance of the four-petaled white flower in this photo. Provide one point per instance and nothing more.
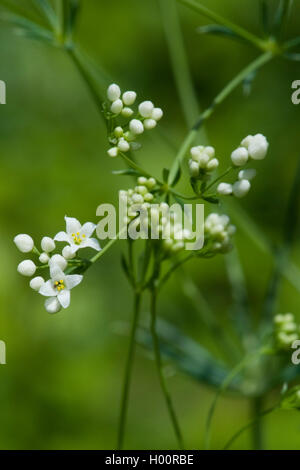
(77, 235)
(60, 285)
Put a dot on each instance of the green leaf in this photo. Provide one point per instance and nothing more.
(127, 171)
(165, 175)
(177, 177)
(218, 30)
(211, 199)
(281, 16)
(292, 56)
(46, 8)
(264, 13)
(27, 27)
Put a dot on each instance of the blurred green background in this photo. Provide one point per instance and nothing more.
(61, 386)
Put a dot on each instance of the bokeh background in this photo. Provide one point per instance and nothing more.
(60, 388)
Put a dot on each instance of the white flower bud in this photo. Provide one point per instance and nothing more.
(239, 157)
(246, 141)
(146, 108)
(142, 180)
(36, 283)
(116, 106)
(150, 124)
(123, 145)
(248, 174)
(224, 189)
(52, 305)
(210, 151)
(157, 114)
(194, 168)
(151, 182)
(24, 243)
(241, 188)
(258, 147)
(129, 97)
(148, 197)
(27, 268)
(212, 164)
(113, 92)
(113, 152)
(118, 131)
(59, 261)
(136, 126)
(195, 153)
(44, 258)
(68, 253)
(127, 112)
(47, 244)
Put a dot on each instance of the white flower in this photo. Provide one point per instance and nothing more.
(116, 106)
(146, 108)
(60, 285)
(24, 243)
(127, 112)
(27, 268)
(113, 152)
(52, 305)
(123, 145)
(59, 261)
(203, 159)
(36, 283)
(218, 232)
(257, 146)
(157, 114)
(241, 188)
(224, 189)
(239, 157)
(44, 258)
(136, 126)
(194, 168)
(47, 244)
(113, 92)
(248, 174)
(77, 235)
(129, 97)
(68, 253)
(150, 124)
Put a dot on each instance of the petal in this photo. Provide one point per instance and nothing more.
(56, 273)
(92, 243)
(62, 237)
(64, 298)
(47, 289)
(87, 229)
(72, 225)
(73, 280)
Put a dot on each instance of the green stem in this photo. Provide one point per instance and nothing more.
(160, 371)
(232, 85)
(128, 371)
(136, 167)
(107, 246)
(219, 178)
(257, 432)
(249, 425)
(196, 6)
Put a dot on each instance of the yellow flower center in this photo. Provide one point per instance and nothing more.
(59, 285)
(77, 238)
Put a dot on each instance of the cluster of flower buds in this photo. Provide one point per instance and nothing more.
(286, 331)
(138, 198)
(123, 138)
(254, 147)
(58, 287)
(218, 232)
(203, 161)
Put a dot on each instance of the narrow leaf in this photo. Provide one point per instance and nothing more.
(264, 13)
(219, 30)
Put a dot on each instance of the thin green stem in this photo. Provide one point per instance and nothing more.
(160, 371)
(136, 167)
(128, 371)
(257, 431)
(229, 88)
(219, 178)
(242, 32)
(107, 246)
(253, 422)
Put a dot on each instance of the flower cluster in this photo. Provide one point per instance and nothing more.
(218, 232)
(138, 198)
(123, 138)
(203, 161)
(252, 147)
(58, 287)
(286, 331)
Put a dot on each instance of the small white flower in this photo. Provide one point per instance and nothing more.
(127, 112)
(113, 92)
(113, 152)
(44, 258)
(150, 123)
(119, 132)
(248, 174)
(52, 305)
(123, 145)
(77, 235)
(116, 106)
(146, 108)
(194, 168)
(257, 146)
(36, 283)
(239, 157)
(212, 164)
(47, 244)
(136, 126)
(157, 114)
(68, 253)
(60, 285)
(129, 97)
(27, 268)
(24, 243)
(224, 189)
(241, 188)
(59, 261)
